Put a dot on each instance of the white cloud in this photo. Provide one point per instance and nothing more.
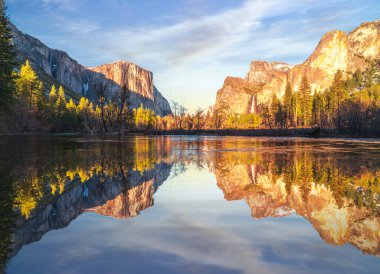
(79, 26)
(191, 55)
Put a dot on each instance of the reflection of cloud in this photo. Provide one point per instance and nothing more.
(202, 244)
(191, 229)
(198, 245)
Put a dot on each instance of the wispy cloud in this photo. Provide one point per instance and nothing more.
(192, 38)
(63, 4)
(75, 27)
(190, 45)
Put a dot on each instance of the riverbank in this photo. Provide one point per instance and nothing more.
(291, 132)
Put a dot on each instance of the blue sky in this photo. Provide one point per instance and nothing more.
(189, 45)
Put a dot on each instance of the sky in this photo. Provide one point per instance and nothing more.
(189, 45)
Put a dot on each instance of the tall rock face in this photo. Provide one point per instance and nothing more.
(130, 75)
(335, 51)
(236, 96)
(79, 80)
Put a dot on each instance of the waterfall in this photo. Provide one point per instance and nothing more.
(252, 105)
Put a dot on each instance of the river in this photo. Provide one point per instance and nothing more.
(189, 205)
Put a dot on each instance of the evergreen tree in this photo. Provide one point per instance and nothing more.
(340, 94)
(305, 102)
(275, 103)
(7, 58)
(294, 109)
(318, 108)
(287, 104)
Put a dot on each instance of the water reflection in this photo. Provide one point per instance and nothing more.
(47, 183)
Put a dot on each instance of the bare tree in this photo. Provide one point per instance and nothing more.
(101, 93)
(175, 107)
(199, 117)
(181, 113)
(124, 95)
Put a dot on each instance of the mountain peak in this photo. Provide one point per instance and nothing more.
(81, 81)
(263, 71)
(335, 51)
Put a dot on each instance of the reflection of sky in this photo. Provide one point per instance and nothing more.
(190, 229)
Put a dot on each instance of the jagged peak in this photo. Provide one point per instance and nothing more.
(281, 66)
(333, 34)
(369, 23)
(275, 65)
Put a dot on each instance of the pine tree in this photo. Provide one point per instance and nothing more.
(340, 94)
(294, 109)
(287, 104)
(305, 102)
(318, 108)
(7, 58)
(274, 109)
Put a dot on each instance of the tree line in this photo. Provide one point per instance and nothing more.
(351, 105)
(32, 110)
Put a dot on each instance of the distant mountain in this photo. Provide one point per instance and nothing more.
(57, 67)
(335, 51)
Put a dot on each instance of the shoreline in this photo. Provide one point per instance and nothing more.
(301, 132)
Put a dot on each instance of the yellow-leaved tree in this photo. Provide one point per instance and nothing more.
(29, 87)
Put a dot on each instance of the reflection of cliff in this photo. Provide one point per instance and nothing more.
(336, 222)
(121, 196)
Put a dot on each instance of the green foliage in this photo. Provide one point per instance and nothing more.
(243, 121)
(288, 105)
(305, 102)
(7, 59)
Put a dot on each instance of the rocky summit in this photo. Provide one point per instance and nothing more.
(335, 51)
(57, 67)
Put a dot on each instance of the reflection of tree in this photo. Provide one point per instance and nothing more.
(301, 167)
(94, 164)
(29, 192)
(102, 161)
(54, 183)
(6, 215)
(338, 193)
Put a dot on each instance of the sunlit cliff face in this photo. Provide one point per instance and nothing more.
(335, 51)
(318, 181)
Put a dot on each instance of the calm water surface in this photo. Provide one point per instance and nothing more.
(189, 205)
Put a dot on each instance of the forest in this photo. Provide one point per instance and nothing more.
(351, 105)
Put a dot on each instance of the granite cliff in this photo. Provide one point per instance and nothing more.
(335, 51)
(57, 67)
